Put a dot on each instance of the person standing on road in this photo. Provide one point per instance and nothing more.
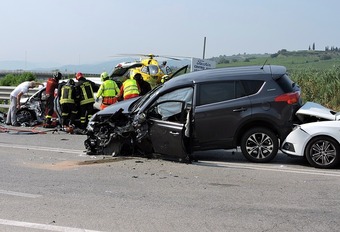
(143, 85)
(129, 89)
(15, 97)
(108, 90)
(68, 105)
(84, 93)
(165, 68)
(51, 86)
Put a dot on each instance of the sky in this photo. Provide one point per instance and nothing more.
(63, 32)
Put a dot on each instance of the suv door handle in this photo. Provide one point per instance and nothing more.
(240, 109)
(174, 133)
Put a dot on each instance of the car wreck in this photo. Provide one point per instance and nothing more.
(251, 107)
(125, 129)
(317, 139)
(32, 109)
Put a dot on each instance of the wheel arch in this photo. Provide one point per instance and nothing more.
(252, 124)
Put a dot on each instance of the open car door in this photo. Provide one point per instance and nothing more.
(179, 72)
(168, 129)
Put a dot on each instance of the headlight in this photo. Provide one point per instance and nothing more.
(90, 126)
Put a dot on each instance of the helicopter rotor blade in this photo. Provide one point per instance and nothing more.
(151, 56)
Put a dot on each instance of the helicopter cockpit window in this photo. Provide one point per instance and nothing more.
(153, 69)
(145, 69)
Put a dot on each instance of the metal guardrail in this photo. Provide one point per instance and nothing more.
(5, 92)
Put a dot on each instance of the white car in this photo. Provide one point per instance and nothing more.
(318, 141)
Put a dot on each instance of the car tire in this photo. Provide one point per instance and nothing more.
(113, 149)
(323, 152)
(259, 145)
(25, 116)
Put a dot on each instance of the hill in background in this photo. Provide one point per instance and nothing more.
(291, 59)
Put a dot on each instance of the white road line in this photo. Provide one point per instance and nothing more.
(274, 168)
(5, 192)
(43, 226)
(42, 148)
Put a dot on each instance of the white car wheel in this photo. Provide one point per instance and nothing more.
(323, 152)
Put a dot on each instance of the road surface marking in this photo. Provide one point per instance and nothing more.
(274, 168)
(43, 226)
(5, 192)
(42, 148)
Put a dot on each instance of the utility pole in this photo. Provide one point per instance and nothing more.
(205, 39)
(25, 60)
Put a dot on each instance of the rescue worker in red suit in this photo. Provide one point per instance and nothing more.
(51, 86)
(84, 92)
(108, 90)
(129, 89)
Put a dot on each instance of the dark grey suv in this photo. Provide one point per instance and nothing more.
(251, 107)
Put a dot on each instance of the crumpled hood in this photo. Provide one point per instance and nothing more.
(119, 105)
(318, 111)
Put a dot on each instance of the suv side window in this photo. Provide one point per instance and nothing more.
(220, 91)
(216, 92)
(252, 86)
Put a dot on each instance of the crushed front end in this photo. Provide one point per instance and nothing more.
(114, 135)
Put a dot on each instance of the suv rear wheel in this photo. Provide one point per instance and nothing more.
(259, 145)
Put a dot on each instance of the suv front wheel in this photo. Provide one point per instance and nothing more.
(259, 145)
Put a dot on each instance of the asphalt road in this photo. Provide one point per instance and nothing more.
(47, 183)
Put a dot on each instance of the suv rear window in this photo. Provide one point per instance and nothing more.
(286, 83)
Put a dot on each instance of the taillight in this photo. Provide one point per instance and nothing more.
(290, 98)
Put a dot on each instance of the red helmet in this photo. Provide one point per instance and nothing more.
(79, 75)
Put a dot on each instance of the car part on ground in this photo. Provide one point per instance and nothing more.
(252, 107)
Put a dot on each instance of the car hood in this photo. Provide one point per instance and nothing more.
(117, 106)
(316, 110)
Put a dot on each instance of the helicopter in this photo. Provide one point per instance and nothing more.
(150, 69)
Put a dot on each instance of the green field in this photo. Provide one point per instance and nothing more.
(319, 60)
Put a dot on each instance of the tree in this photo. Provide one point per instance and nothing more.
(313, 46)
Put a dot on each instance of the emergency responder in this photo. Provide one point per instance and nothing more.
(143, 85)
(84, 93)
(15, 98)
(51, 85)
(129, 89)
(165, 68)
(68, 105)
(108, 90)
